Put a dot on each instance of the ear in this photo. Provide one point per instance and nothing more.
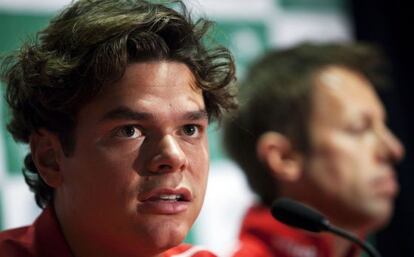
(46, 151)
(277, 153)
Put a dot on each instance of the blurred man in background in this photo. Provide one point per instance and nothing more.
(114, 100)
(312, 128)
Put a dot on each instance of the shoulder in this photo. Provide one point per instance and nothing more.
(16, 242)
(187, 250)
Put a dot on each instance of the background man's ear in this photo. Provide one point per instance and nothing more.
(277, 153)
(46, 151)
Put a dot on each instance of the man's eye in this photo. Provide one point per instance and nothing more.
(358, 129)
(128, 131)
(191, 130)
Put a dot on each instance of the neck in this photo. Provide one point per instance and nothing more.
(85, 243)
(341, 247)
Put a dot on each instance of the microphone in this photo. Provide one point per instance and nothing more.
(298, 215)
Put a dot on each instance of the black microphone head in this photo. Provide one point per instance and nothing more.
(299, 215)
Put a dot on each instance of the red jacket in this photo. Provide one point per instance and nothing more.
(45, 239)
(262, 236)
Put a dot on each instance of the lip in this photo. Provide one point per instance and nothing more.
(150, 202)
(387, 186)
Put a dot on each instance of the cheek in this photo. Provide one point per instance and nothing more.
(337, 164)
(350, 161)
(200, 164)
(99, 174)
(198, 160)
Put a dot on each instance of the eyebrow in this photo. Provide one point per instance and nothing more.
(125, 113)
(196, 115)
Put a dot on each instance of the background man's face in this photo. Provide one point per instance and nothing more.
(350, 166)
(139, 171)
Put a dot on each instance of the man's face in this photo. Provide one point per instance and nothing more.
(139, 170)
(352, 152)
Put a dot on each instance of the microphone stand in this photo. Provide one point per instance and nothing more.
(371, 251)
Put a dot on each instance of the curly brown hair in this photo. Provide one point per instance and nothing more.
(88, 46)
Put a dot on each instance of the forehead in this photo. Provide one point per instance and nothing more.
(159, 76)
(339, 92)
(155, 77)
(157, 87)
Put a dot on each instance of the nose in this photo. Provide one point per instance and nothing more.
(168, 156)
(391, 146)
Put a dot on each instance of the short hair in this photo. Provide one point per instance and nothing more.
(88, 46)
(276, 96)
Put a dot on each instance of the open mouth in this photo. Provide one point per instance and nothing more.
(168, 197)
(165, 201)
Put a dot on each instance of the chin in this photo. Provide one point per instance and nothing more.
(382, 220)
(368, 218)
(379, 217)
(167, 243)
(169, 236)
(155, 245)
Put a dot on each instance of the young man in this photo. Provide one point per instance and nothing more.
(114, 100)
(312, 128)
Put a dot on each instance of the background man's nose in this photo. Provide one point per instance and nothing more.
(392, 146)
